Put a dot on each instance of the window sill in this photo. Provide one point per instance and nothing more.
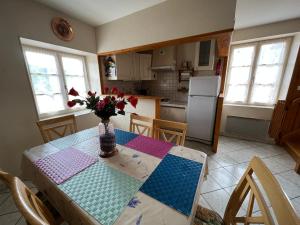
(249, 106)
(78, 112)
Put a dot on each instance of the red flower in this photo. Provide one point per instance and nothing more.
(100, 105)
(120, 95)
(106, 100)
(133, 101)
(113, 98)
(73, 92)
(105, 90)
(71, 103)
(120, 105)
(91, 93)
(114, 90)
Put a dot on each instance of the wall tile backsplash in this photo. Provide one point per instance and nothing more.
(166, 86)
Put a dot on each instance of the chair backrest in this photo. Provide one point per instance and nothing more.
(30, 206)
(141, 124)
(258, 190)
(169, 131)
(57, 127)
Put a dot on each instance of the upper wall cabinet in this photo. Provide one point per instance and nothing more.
(129, 67)
(205, 55)
(164, 58)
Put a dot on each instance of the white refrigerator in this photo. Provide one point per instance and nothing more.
(202, 103)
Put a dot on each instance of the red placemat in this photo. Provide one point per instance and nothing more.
(150, 146)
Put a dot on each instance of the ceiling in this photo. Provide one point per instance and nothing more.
(256, 12)
(97, 12)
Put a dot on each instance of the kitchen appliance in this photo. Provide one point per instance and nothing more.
(201, 110)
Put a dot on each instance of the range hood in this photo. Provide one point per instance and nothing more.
(163, 68)
(164, 59)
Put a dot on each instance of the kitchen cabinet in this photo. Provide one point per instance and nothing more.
(133, 67)
(145, 67)
(177, 114)
(124, 64)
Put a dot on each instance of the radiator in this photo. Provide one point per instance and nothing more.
(248, 128)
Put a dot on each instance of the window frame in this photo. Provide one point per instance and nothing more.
(257, 50)
(61, 76)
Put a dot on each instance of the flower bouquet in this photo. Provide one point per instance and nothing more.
(112, 104)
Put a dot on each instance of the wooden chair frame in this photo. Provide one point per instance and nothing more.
(141, 124)
(30, 206)
(51, 125)
(175, 129)
(283, 210)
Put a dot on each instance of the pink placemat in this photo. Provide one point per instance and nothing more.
(64, 164)
(150, 146)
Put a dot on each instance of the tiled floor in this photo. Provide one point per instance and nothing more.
(225, 169)
(228, 165)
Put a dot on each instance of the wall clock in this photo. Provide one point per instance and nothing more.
(62, 29)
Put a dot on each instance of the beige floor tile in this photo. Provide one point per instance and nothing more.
(10, 219)
(21, 221)
(204, 203)
(237, 170)
(292, 190)
(223, 159)
(209, 185)
(8, 206)
(223, 177)
(274, 166)
(292, 176)
(296, 204)
(212, 164)
(3, 197)
(217, 200)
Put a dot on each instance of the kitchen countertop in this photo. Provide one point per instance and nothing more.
(175, 104)
(139, 96)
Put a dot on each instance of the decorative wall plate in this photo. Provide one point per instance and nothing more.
(62, 29)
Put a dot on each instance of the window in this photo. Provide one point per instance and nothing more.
(255, 72)
(52, 74)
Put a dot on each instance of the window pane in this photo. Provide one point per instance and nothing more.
(239, 75)
(271, 53)
(50, 103)
(267, 74)
(45, 84)
(236, 93)
(39, 62)
(72, 66)
(76, 82)
(263, 94)
(242, 56)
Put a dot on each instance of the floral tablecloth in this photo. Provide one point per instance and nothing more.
(141, 210)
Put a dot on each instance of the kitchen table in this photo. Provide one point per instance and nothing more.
(141, 210)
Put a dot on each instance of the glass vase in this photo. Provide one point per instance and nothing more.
(107, 139)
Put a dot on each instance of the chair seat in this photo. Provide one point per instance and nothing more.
(206, 216)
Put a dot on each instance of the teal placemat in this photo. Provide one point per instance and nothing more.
(76, 138)
(101, 191)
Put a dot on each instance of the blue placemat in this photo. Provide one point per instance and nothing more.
(174, 183)
(101, 191)
(123, 137)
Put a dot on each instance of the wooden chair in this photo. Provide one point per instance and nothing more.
(169, 131)
(57, 127)
(31, 207)
(141, 124)
(248, 186)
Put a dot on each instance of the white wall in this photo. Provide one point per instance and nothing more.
(250, 13)
(169, 20)
(25, 18)
(273, 30)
